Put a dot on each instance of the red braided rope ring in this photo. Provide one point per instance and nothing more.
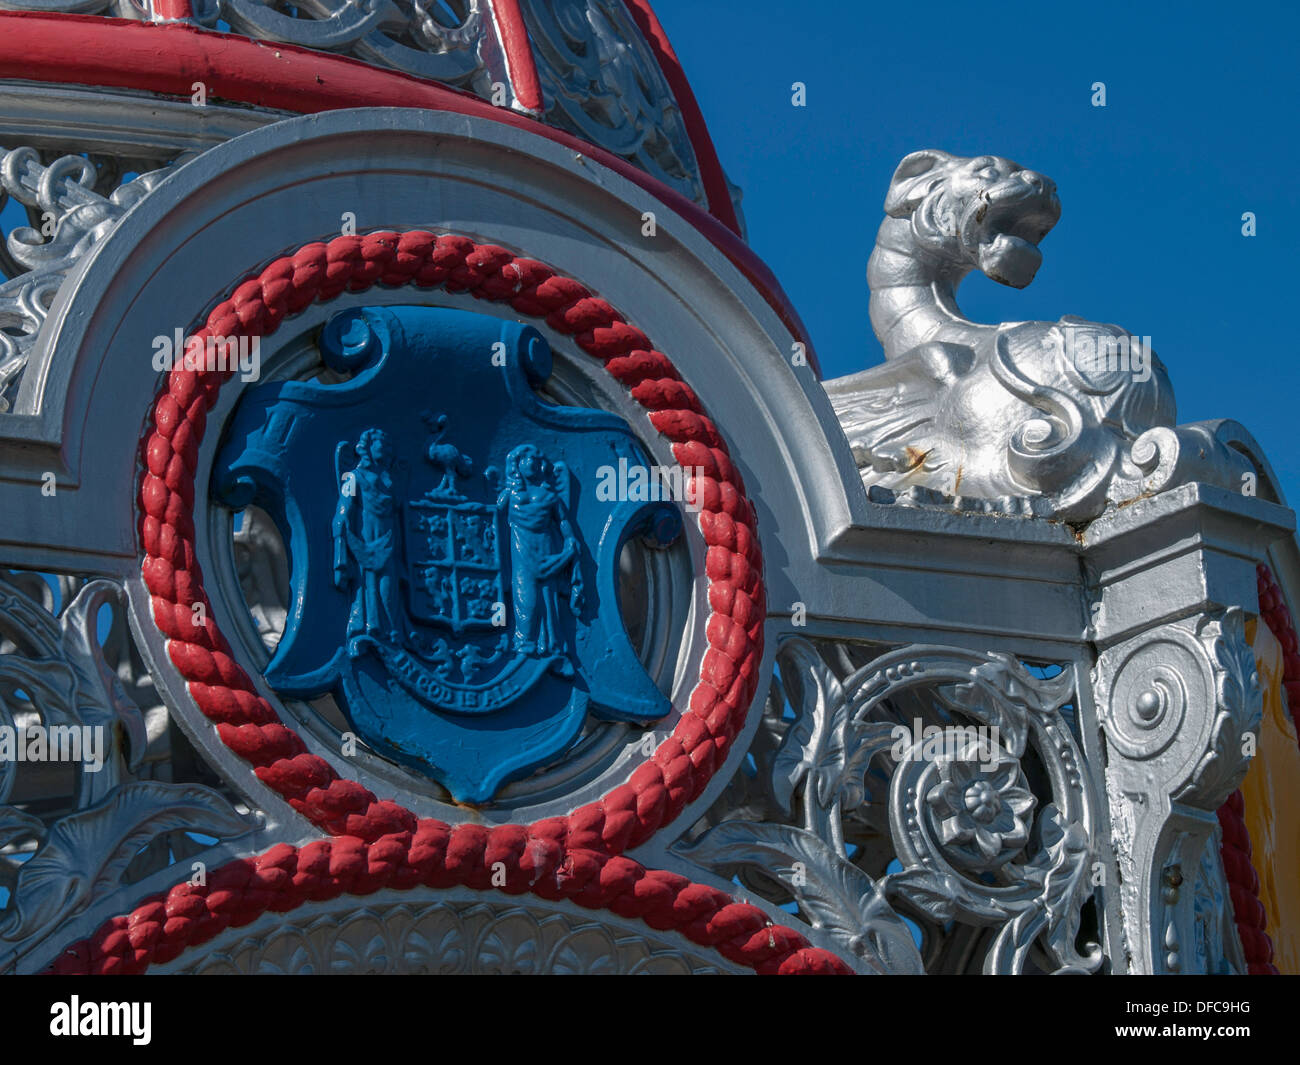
(380, 843)
(682, 765)
(435, 855)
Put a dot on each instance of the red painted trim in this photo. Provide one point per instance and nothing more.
(524, 82)
(168, 59)
(706, 156)
(173, 9)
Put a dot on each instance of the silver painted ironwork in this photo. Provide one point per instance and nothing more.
(1176, 703)
(915, 758)
(407, 35)
(599, 77)
(457, 934)
(73, 216)
(600, 80)
(1214, 947)
(112, 123)
(105, 823)
(1090, 818)
(1177, 698)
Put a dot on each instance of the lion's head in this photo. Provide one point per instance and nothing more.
(987, 213)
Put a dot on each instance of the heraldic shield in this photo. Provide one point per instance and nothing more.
(453, 571)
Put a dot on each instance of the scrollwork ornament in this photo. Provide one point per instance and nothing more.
(837, 896)
(976, 844)
(601, 81)
(56, 682)
(1154, 689)
(76, 218)
(1238, 712)
(1177, 704)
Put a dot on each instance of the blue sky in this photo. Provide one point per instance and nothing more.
(1200, 126)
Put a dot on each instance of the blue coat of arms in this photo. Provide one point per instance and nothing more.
(454, 573)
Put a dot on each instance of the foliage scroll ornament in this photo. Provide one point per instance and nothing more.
(1180, 706)
(75, 212)
(975, 844)
(54, 676)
